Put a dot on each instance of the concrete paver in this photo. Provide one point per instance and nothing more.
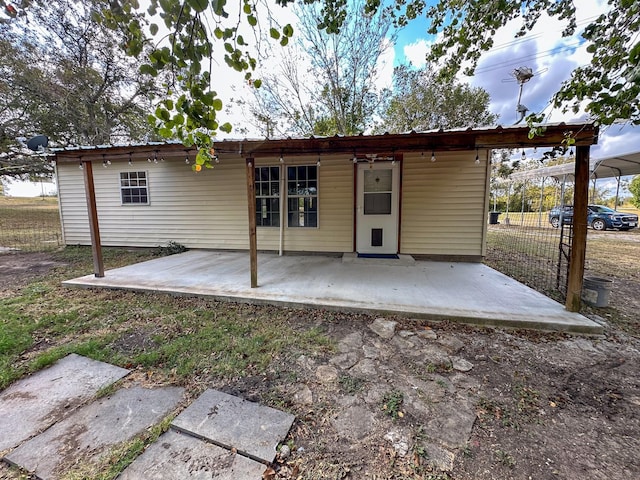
(233, 423)
(180, 456)
(91, 430)
(468, 292)
(34, 403)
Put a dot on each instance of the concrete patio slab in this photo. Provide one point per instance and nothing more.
(92, 430)
(177, 455)
(33, 404)
(251, 429)
(467, 292)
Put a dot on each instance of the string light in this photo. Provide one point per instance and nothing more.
(433, 155)
(186, 158)
(524, 155)
(355, 158)
(130, 160)
(318, 162)
(281, 158)
(477, 162)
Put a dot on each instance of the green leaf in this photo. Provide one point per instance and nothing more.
(153, 28)
(201, 157)
(226, 127)
(198, 5)
(218, 7)
(147, 69)
(218, 33)
(274, 33)
(257, 83)
(217, 104)
(288, 30)
(165, 132)
(253, 21)
(247, 8)
(284, 41)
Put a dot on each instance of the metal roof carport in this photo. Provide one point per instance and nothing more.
(616, 167)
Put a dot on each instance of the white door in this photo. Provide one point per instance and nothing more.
(377, 208)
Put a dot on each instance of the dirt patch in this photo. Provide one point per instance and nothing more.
(17, 269)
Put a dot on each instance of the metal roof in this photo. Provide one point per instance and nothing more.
(609, 167)
(462, 139)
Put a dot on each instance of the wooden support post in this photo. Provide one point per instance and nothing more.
(90, 194)
(253, 239)
(579, 242)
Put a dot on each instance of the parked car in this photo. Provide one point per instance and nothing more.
(599, 217)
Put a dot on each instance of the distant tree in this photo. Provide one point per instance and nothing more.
(634, 188)
(423, 101)
(338, 94)
(68, 79)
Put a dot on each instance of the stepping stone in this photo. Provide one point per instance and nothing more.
(33, 404)
(233, 423)
(179, 455)
(92, 430)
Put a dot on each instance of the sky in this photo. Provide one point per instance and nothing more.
(551, 58)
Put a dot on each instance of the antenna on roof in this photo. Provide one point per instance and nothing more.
(522, 76)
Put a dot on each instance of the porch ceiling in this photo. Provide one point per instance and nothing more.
(437, 140)
(467, 292)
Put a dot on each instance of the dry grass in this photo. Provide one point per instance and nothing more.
(29, 224)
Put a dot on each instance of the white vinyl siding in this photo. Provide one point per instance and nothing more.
(443, 204)
(201, 210)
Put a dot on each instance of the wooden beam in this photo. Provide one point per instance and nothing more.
(579, 242)
(90, 194)
(253, 239)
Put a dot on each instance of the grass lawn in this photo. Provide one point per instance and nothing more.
(184, 340)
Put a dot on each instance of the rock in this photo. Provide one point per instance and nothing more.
(431, 354)
(306, 362)
(438, 457)
(405, 346)
(461, 365)
(399, 441)
(350, 343)
(384, 328)
(427, 334)
(451, 423)
(354, 423)
(370, 352)
(303, 395)
(364, 369)
(285, 451)
(451, 343)
(327, 373)
(344, 360)
(406, 333)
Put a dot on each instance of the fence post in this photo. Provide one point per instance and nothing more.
(579, 242)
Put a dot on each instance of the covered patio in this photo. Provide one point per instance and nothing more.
(466, 292)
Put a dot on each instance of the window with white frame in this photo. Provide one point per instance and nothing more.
(302, 196)
(134, 188)
(267, 196)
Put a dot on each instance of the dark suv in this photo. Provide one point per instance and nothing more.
(599, 217)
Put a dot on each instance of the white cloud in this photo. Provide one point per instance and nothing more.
(416, 52)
